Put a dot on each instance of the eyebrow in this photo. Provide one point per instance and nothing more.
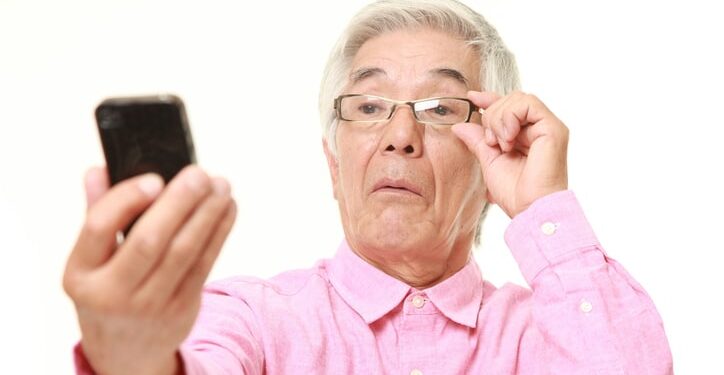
(365, 72)
(452, 73)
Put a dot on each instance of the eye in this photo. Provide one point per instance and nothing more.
(368, 109)
(442, 111)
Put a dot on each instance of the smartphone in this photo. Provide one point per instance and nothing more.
(144, 134)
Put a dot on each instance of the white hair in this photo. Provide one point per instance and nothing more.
(498, 70)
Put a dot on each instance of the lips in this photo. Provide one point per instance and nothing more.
(396, 185)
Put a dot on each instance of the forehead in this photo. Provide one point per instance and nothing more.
(414, 57)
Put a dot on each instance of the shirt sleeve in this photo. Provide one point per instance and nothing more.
(222, 341)
(225, 338)
(591, 315)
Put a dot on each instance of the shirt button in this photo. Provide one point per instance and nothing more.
(586, 306)
(415, 372)
(418, 302)
(548, 228)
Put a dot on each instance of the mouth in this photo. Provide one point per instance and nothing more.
(399, 186)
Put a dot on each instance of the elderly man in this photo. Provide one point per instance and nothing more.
(422, 130)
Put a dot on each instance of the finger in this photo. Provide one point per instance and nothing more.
(495, 118)
(472, 136)
(519, 111)
(152, 233)
(96, 184)
(555, 130)
(194, 280)
(490, 137)
(185, 249)
(510, 127)
(109, 214)
(483, 99)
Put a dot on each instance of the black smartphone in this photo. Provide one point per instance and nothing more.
(144, 134)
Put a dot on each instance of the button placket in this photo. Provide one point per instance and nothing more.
(417, 338)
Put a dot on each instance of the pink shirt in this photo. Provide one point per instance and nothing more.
(584, 315)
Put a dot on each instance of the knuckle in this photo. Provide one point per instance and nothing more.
(96, 223)
(181, 254)
(145, 245)
(143, 304)
(70, 284)
(559, 137)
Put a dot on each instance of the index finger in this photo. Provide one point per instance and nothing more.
(110, 214)
(483, 99)
(149, 238)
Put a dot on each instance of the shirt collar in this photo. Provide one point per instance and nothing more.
(370, 292)
(460, 296)
(373, 293)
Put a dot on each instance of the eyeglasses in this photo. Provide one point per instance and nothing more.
(370, 108)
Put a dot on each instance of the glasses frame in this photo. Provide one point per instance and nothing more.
(396, 103)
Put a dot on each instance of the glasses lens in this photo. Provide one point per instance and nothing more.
(364, 108)
(443, 111)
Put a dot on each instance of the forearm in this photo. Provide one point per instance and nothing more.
(590, 313)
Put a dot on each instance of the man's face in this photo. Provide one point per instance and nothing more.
(401, 185)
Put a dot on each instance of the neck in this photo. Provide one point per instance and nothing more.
(418, 268)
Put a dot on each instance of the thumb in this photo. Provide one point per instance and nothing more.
(474, 138)
(96, 184)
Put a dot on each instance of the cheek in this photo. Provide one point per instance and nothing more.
(354, 150)
(458, 176)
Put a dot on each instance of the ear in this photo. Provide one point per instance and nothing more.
(333, 165)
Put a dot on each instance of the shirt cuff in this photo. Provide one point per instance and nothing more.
(82, 367)
(547, 232)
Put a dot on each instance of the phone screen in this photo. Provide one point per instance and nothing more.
(147, 134)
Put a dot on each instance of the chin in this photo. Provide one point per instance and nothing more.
(396, 236)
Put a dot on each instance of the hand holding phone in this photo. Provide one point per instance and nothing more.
(137, 300)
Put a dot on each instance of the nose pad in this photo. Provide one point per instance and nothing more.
(411, 114)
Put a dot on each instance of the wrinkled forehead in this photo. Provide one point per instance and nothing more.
(415, 59)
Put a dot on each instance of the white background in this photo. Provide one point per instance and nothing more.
(638, 83)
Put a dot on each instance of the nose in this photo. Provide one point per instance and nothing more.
(402, 134)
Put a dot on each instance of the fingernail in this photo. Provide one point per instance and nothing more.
(151, 184)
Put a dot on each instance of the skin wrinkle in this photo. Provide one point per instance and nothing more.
(420, 240)
(364, 73)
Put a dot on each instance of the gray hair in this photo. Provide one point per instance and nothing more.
(498, 70)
